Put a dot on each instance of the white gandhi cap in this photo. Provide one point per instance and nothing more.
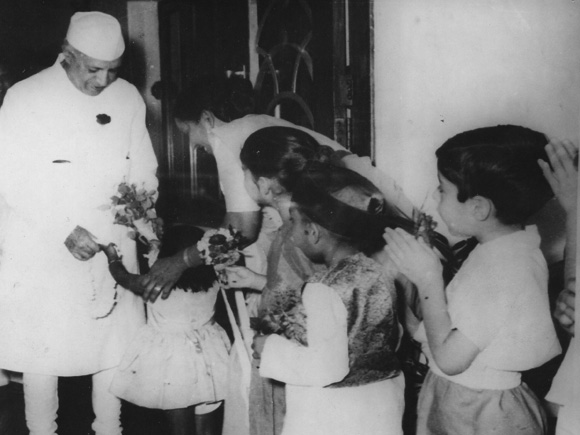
(97, 35)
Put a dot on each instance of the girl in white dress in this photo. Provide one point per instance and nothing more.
(178, 360)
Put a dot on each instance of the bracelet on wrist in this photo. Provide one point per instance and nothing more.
(117, 260)
(186, 259)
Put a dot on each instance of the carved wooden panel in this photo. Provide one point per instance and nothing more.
(315, 66)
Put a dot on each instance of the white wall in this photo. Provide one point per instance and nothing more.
(442, 67)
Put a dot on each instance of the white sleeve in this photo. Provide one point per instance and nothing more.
(325, 360)
(390, 189)
(231, 176)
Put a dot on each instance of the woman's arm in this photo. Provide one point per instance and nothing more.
(247, 222)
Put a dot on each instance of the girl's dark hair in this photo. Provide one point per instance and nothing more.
(348, 205)
(282, 153)
(177, 238)
(228, 98)
(499, 163)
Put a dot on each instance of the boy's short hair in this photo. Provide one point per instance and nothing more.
(499, 163)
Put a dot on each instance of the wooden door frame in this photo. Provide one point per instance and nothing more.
(341, 103)
(352, 76)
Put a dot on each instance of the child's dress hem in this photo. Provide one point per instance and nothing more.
(179, 358)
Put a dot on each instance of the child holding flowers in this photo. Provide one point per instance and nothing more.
(178, 360)
(273, 159)
(335, 348)
(493, 320)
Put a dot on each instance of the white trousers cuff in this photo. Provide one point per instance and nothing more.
(40, 403)
(106, 406)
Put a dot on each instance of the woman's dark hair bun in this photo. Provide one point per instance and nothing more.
(324, 155)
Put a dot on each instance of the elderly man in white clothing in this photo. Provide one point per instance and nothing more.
(69, 136)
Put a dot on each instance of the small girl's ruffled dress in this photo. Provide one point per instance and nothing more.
(179, 358)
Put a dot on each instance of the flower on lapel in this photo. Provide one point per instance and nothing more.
(103, 119)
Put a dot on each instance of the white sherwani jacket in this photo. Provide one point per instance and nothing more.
(60, 168)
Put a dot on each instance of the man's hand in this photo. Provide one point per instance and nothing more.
(162, 277)
(82, 244)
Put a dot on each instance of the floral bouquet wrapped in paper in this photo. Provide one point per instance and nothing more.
(135, 208)
(424, 226)
(221, 248)
(286, 316)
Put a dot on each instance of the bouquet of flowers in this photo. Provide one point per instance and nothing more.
(221, 248)
(286, 316)
(424, 226)
(135, 208)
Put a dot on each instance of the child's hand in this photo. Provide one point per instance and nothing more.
(258, 345)
(110, 251)
(563, 175)
(413, 257)
(564, 312)
(381, 257)
(242, 277)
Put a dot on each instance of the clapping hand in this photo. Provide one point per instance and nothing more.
(413, 257)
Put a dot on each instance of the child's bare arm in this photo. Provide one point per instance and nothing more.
(242, 277)
(127, 280)
(453, 351)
